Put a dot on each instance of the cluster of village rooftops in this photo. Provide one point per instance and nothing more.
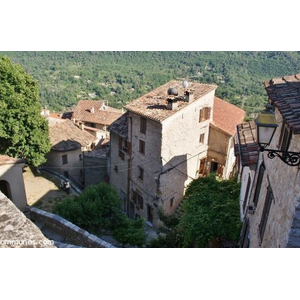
(153, 148)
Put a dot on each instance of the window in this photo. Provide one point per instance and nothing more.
(265, 213)
(140, 201)
(258, 183)
(202, 166)
(171, 202)
(121, 154)
(137, 199)
(143, 125)
(204, 114)
(142, 147)
(245, 241)
(201, 140)
(64, 159)
(124, 147)
(140, 173)
(150, 213)
(285, 138)
(247, 192)
(80, 156)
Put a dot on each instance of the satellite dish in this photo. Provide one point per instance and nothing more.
(185, 84)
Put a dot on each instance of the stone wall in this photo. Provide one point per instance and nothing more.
(74, 166)
(73, 234)
(284, 181)
(17, 231)
(95, 169)
(13, 175)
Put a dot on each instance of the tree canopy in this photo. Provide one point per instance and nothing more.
(99, 210)
(210, 210)
(121, 76)
(23, 131)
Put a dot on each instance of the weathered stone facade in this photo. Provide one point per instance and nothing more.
(271, 214)
(167, 141)
(284, 181)
(70, 161)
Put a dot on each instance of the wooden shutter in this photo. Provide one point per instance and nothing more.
(258, 183)
(201, 115)
(208, 109)
(265, 213)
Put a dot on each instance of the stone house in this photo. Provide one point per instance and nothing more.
(271, 189)
(220, 156)
(95, 166)
(68, 145)
(11, 180)
(161, 144)
(95, 116)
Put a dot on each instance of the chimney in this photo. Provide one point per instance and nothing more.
(189, 95)
(172, 103)
(92, 110)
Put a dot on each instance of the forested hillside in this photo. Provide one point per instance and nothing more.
(66, 77)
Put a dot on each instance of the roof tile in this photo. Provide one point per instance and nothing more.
(153, 105)
(94, 111)
(284, 93)
(227, 116)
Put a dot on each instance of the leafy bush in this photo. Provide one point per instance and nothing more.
(131, 233)
(98, 210)
(210, 210)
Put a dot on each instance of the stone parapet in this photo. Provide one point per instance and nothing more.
(72, 233)
(17, 231)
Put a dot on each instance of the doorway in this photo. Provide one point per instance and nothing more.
(5, 188)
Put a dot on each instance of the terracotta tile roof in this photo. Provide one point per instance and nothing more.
(284, 93)
(67, 136)
(7, 160)
(100, 114)
(120, 126)
(227, 116)
(245, 143)
(153, 105)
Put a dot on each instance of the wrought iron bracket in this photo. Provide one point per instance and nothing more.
(289, 158)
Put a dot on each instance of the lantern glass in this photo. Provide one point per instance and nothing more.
(266, 126)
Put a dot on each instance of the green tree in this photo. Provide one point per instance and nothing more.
(210, 210)
(98, 210)
(131, 233)
(23, 131)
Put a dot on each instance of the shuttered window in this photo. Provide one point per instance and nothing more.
(142, 147)
(258, 183)
(245, 241)
(247, 193)
(285, 139)
(204, 114)
(265, 213)
(143, 125)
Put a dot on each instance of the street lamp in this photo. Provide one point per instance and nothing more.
(266, 126)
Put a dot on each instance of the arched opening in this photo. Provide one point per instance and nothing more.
(5, 188)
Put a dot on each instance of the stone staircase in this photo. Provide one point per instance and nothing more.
(294, 235)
